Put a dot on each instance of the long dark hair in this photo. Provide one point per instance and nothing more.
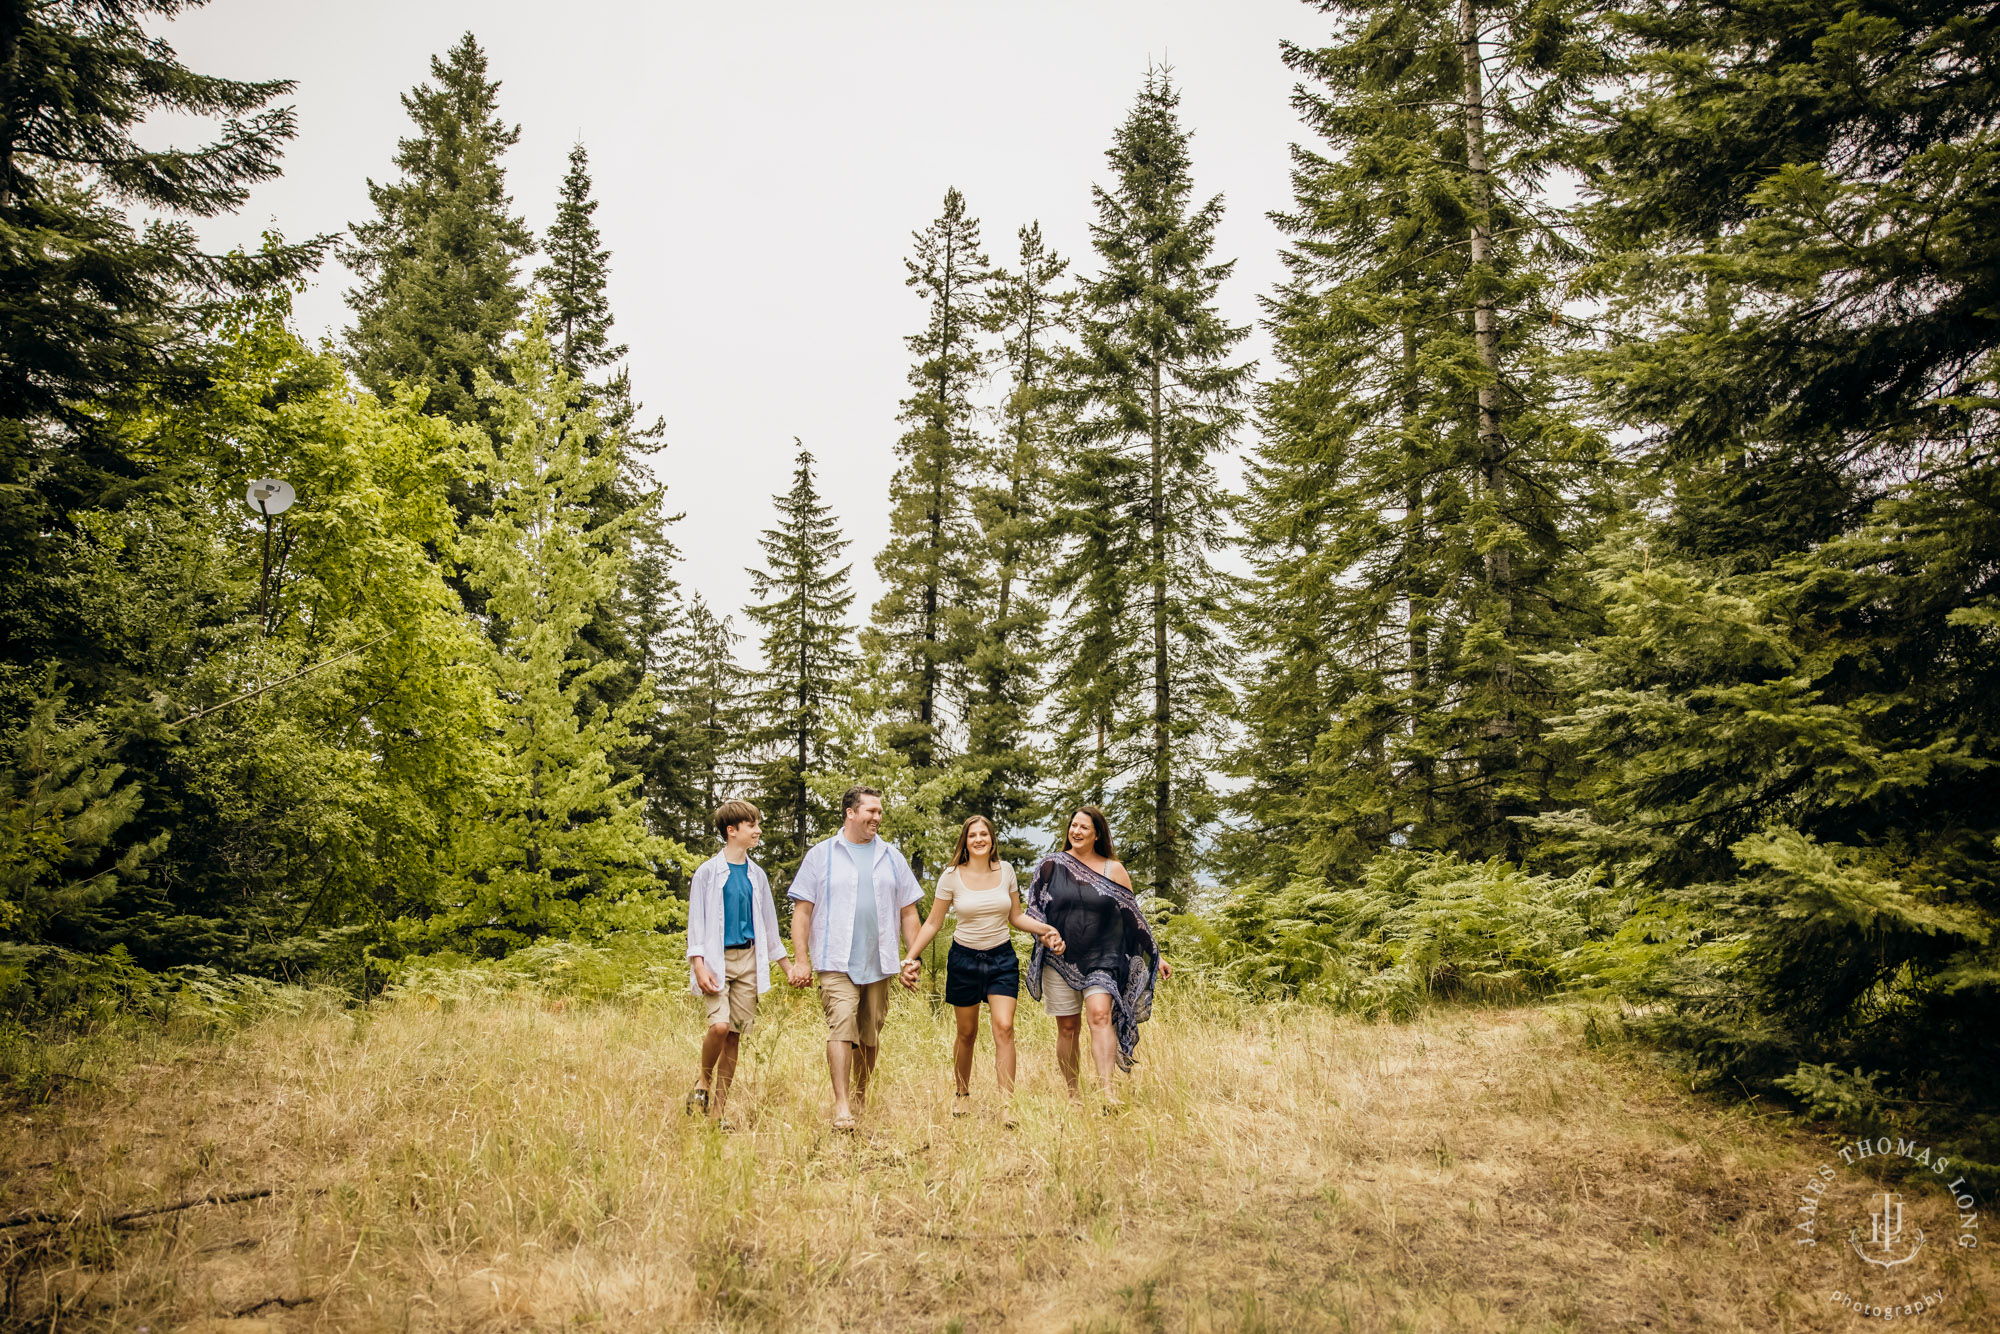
(964, 853)
(1100, 824)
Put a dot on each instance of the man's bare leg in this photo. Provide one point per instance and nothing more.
(864, 1067)
(839, 1058)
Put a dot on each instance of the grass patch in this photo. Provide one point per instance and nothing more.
(517, 1160)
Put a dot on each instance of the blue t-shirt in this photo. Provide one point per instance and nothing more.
(738, 926)
(864, 964)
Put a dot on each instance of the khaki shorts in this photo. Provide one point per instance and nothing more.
(736, 1003)
(1059, 998)
(854, 1011)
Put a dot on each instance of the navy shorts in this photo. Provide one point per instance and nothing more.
(970, 975)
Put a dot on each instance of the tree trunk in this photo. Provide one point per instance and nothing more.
(1417, 626)
(1165, 852)
(1485, 330)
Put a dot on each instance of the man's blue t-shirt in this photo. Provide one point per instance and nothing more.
(738, 927)
(863, 951)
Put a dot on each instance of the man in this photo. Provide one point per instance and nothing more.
(853, 895)
(733, 940)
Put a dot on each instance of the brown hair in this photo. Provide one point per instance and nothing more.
(1100, 824)
(732, 813)
(854, 796)
(964, 852)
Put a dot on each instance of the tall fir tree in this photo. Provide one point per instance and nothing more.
(438, 291)
(1032, 314)
(1425, 488)
(923, 622)
(575, 276)
(564, 847)
(709, 711)
(1152, 398)
(1792, 708)
(807, 651)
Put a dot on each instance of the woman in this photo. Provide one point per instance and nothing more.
(1105, 973)
(983, 894)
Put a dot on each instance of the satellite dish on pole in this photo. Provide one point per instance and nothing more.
(269, 496)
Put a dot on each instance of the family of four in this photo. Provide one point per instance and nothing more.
(854, 899)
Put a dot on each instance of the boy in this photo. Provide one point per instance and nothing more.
(733, 940)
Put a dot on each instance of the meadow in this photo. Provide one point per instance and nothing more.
(522, 1161)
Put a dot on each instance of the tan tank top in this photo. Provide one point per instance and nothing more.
(981, 914)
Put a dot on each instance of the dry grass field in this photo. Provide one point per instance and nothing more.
(511, 1163)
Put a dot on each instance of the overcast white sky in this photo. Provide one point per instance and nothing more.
(761, 167)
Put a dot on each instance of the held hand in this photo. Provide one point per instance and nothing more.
(909, 973)
(1166, 970)
(705, 979)
(798, 972)
(1053, 939)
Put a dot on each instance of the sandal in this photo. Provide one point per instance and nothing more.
(844, 1124)
(697, 1101)
(961, 1105)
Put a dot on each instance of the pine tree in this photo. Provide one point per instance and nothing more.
(923, 620)
(564, 846)
(1153, 398)
(1033, 317)
(439, 292)
(712, 700)
(1791, 708)
(95, 312)
(575, 275)
(806, 652)
(1424, 490)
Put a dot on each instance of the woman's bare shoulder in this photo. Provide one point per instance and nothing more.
(1115, 869)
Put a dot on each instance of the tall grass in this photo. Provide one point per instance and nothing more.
(482, 1154)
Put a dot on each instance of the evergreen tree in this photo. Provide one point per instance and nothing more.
(439, 292)
(1424, 489)
(923, 622)
(806, 652)
(707, 720)
(564, 846)
(96, 313)
(575, 275)
(1792, 708)
(1012, 509)
(1153, 397)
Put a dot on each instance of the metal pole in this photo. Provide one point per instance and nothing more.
(264, 586)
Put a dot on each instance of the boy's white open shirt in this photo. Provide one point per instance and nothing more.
(705, 922)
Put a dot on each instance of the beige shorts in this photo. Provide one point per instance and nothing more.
(1059, 998)
(736, 1003)
(854, 1012)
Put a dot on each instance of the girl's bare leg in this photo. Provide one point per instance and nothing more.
(962, 1044)
(1002, 1008)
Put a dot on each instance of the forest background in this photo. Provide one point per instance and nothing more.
(1608, 606)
